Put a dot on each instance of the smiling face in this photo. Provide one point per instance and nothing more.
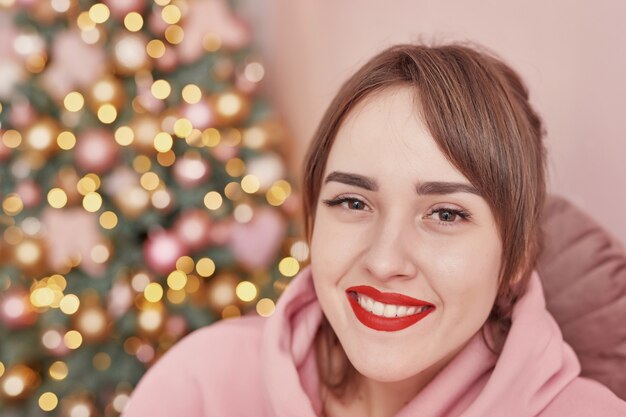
(399, 232)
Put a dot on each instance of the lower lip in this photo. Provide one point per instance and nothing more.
(385, 324)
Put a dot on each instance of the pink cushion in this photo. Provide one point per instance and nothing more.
(583, 269)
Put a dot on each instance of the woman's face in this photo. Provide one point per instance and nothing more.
(399, 232)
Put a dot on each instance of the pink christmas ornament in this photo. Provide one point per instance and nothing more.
(16, 311)
(161, 251)
(200, 114)
(22, 114)
(176, 326)
(11, 68)
(191, 171)
(193, 227)
(72, 233)
(119, 299)
(223, 152)
(169, 61)
(96, 151)
(156, 23)
(29, 192)
(220, 232)
(63, 75)
(120, 179)
(214, 17)
(256, 243)
(120, 8)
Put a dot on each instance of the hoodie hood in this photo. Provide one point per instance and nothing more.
(534, 366)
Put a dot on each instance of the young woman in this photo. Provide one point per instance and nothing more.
(423, 190)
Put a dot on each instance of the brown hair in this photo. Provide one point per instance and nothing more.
(477, 111)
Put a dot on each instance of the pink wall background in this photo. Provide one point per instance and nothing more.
(572, 55)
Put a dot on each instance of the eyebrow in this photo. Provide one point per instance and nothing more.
(424, 188)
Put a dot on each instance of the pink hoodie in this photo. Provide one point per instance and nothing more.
(266, 367)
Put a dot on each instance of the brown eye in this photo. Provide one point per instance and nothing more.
(355, 204)
(447, 215)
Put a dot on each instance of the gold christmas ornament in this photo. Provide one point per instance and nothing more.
(221, 292)
(129, 53)
(92, 322)
(231, 107)
(132, 201)
(78, 405)
(29, 255)
(145, 128)
(41, 136)
(108, 90)
(18, 383)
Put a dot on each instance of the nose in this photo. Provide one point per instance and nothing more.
(391, 250)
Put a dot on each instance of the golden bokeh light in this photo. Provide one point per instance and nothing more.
(211, 42)
(99, 13)
(153, 292)
(142, 163)
(92, 202)
(185, 264)
(174, 34)
(66, 140)
(73, 339)
(12, 138)
(86, 185)
(58, 370)
(57, 198)
(211, 137)
(250, 184)
(162, 2)
(235, 167)
(171, 14)
(155, 48)
(108, 220)
(205, 267)
(183, 128)
(161, 89)
(48, 401)
(265, 307)
(161, 199)
(133, 21)
(107, 113)
(85, 22)
(124, 135)
(176, 296)
(246, 291)
(150, 181)
(193, 284)
(229, 104)
(12, 204)
(233, 191)
(166, 159)
(163, 142)
(213, 200)
(289, 266)
(69, 304)
(101, 361)
(191, 93)
(177, 280)
(74, 101)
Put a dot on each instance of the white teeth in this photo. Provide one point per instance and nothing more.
(390, 310)
(387, 310)
(379, 308)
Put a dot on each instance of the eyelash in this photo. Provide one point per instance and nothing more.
(464, 215)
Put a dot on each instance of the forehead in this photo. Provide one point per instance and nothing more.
(384, 133)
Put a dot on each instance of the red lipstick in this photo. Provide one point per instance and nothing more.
(386, 324)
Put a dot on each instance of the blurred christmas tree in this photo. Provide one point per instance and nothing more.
(143, 193)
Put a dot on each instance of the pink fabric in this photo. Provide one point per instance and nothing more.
(266, 367)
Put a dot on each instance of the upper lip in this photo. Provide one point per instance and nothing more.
(388, 297)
